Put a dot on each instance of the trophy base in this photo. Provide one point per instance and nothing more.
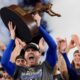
(26, 27)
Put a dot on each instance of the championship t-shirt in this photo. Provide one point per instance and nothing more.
(37, 72)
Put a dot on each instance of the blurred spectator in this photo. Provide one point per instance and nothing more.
(61, 62)
(20, 60)
(73, 72)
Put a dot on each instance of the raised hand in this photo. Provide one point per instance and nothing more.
(19, 43)
(18, 47)
(77, 41)
(62, 46)
(42, 45)
(37, 19)
(12, 30)
(75, 38)
(71, 45)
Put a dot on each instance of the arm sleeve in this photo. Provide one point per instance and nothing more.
(71, 71)
(5, 61)
(51, 56)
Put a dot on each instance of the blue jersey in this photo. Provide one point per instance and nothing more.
(73, 74)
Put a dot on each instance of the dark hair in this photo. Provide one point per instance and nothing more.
(21, 56)
(76, 51)
(1, 69)
(73, 64)
(31, 2)
(32, 45)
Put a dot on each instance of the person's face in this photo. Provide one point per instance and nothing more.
(20, 62)
(31, 56)
(76, 59)
(63, 42)
(62, 45)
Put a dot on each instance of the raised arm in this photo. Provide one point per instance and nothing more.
(76, 40)
(71, 71)
(19, 44)
(42, 45)
(51, 53)
(5, 61)
(63, 50)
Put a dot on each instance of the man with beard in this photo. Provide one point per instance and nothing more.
(33, 71)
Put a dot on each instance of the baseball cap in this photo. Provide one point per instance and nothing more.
(19, 57)
(32, 45)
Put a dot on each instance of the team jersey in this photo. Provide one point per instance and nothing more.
(38, 72)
